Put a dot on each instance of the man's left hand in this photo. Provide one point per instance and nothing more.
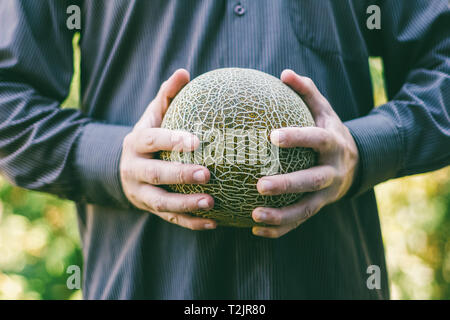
(324, 183)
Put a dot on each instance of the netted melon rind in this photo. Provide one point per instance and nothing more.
(238, 99)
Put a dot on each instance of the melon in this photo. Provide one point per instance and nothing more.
(233, 111)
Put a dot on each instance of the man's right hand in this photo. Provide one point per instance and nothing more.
(141, 173)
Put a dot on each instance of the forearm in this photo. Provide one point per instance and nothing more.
(409, 134)
(44, 147)
(61, 151)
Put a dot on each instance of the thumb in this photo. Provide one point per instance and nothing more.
(156, 110)
(305, 87)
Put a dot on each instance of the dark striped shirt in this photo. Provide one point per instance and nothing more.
(129, 48)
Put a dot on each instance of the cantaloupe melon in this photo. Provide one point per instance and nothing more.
(233, 111)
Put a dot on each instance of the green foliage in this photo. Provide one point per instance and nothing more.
(415, 220)
(39, 237)
(38, 234)
(38, 241)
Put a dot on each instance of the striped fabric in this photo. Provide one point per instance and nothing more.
(130, 47)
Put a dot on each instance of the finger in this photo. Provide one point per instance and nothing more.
(170, 88)
(319, 139)
(150, 140)
(157, 200)
(308, 180)
(174, 84)
(187, 221)
(308, 90)
(155, 111)
(157, 172)
(308, 206)
(274, 232)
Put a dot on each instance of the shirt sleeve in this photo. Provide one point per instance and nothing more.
(411, 133)
(42, 146)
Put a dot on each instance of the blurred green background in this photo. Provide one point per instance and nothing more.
(39, 236)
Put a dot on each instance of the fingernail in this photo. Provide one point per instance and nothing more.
(203, 204)
(277, 137)
(209, 226)
(265, 185)
(199, 176)
(260, 215)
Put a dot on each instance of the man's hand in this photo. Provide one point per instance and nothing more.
(325, 183)
(141, 173)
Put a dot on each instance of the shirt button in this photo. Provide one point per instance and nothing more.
(239, 9)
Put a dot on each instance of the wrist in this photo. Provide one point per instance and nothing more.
(355, 166)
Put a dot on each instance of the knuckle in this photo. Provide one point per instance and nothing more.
(318, 181)
(347, 146)
(344, 145)
(133, 197)
(308, 212)
(298, 137)
(288, 136)
(176, 141)
(152, 175)
(323, 101)
(128, 141)
(309, 82)
(125, 172)
(172, 218)
(275, 218)
(185, 206)
(149, 140)
(158, 204)
(286, 185)
(339, 143)
(181, 174)
(163, 87)
(324, 140)
(127, 138)
(173, 137)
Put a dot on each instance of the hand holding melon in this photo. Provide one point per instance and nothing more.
(142, 174)
(325, 183)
